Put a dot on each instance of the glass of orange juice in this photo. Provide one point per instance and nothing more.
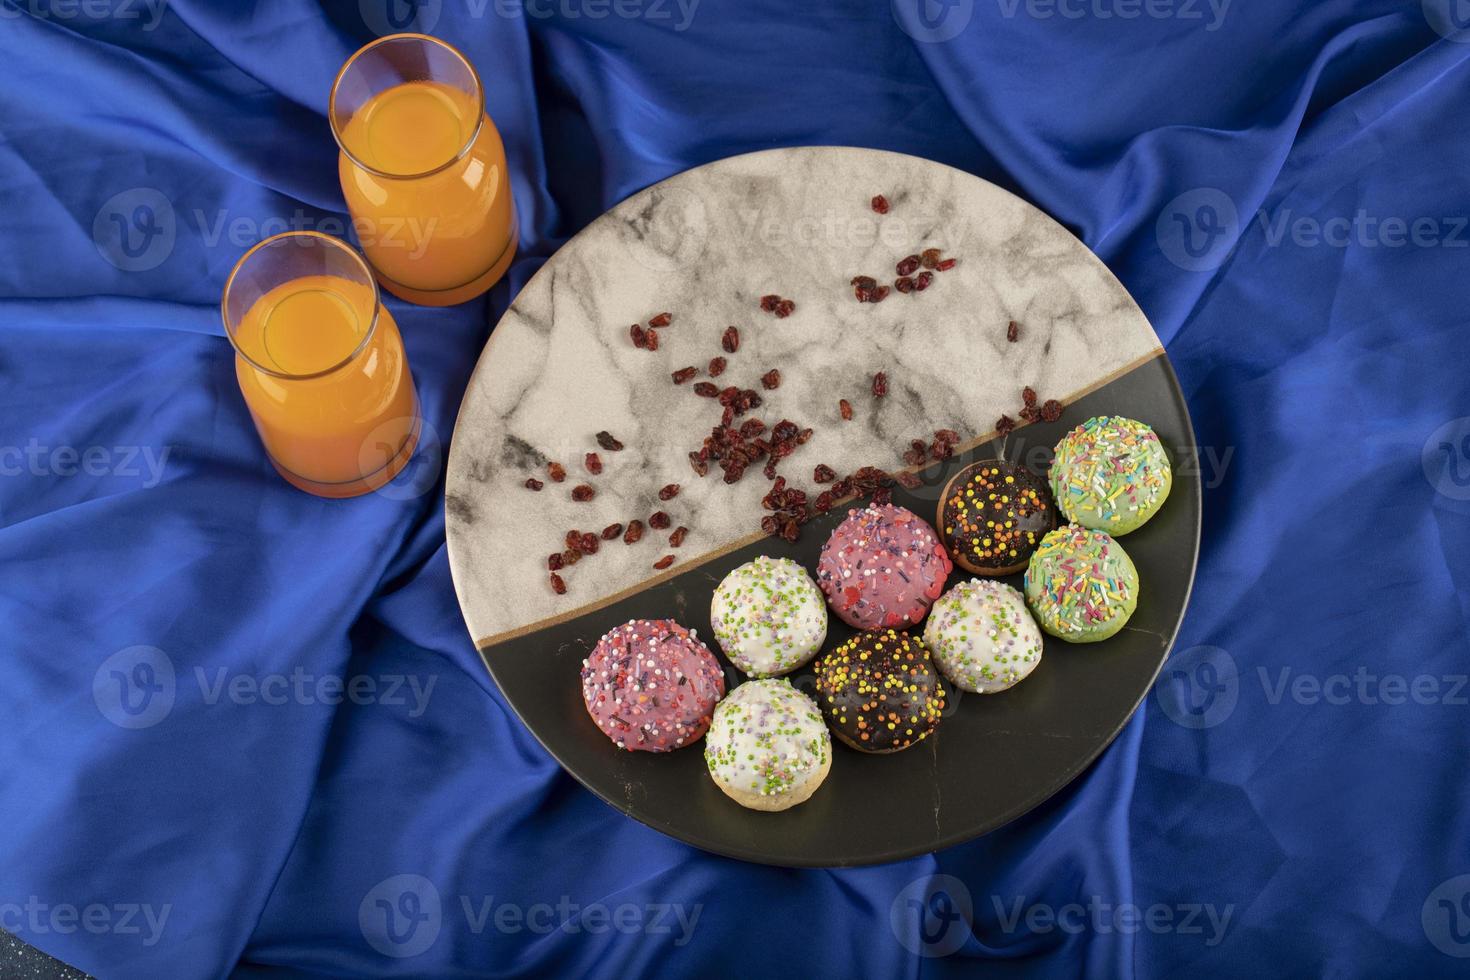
(321, 364)
(423, 170)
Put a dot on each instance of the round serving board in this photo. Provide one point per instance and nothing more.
(706, 246)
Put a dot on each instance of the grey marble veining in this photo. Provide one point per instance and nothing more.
(706, 245)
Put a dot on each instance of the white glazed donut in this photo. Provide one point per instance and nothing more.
(769, 617)
(768, 748)
(982, 636)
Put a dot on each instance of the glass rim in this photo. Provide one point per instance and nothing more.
(337, 243)
(371, 45)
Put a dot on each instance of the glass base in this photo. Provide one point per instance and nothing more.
(458, 294)
(356, 488)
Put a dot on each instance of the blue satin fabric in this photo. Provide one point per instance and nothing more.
(1252, 826)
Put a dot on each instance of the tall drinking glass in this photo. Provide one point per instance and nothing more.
(321, 364)
(423, 170)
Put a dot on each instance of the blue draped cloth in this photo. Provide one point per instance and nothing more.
(246, 732)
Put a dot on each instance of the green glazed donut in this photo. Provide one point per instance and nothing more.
(1081, 585)
(1111, 474)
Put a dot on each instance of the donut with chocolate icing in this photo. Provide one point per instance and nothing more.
(992, 516)
(651, 685)
(882, 567)
(880, 691)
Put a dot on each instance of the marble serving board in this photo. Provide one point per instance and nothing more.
(705, 246)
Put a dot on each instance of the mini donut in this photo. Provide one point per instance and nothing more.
(1111, 474)
(992, 515)
(769, 617)
(1081, 585)
(651, 686)
(882, 567)
(982, 637)
(880, 691)
(768, 748)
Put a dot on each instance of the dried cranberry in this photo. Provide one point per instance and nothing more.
(634, 532)
(769, 303)
(593, 462)
(823, 474)
(589, 544)
(947, 435)
(751, 428)
(1051, 411)
(706, 390)
(612, 532)
(845, 408)
(823, 503)
(639, 335)
(941, 450)
(930, 258)
(880, 204)
(571, 556)
(728, 396)
(606, 441)
(1031, 414)
(556, 471)
(769, 470)
(684, 374)
(909, 481)
(650, 339)
(791, 530)
(730, 340)
(699, 463)
(922, 281)
(880, 294)
(882, 497)
(534, 484)
(662, 320)
(917, 452)
(904, 284)
(908, 266)
(1005, 425)
(659, 521)
(583, 492)
(574, 540)
(677, 538)
(1013, 331)
(669, 492)
(803, 436)
(716, 367)
(1028, 396)
(947, 264)
(771, 380)
(785, 308)
(880, 384)
(554, 561)
(664, 562)
(557, 585)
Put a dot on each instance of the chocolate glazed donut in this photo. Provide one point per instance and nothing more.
(992, 515)
(880, 691)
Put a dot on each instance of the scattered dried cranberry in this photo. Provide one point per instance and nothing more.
(845, 407)
(589, 544)
(1005, 425)
(771, 380)
(730, 340)
(880, 384)
(880, 294)
(606, 441)
(909, 481)
(863, 288)
(639, 335)
(634, 532)
(823, 503)
(930, 258)
(659, 521)
(947, 435)
(917, 452)
(785, 308)
(557, 585)
(662, 320)
(769, 303)
(534, 484)
(699, 463)
(1031, 414)
(1028, 396)
(947, 264)
(1051, 411)
(909, 266)
(677, 538)
(706, 390)
(612, 532)
(941, 450)
(664, 562)
(684, 374)
(593, 462)
(823, 474)
(556, 471)
(751, 428)
(882, 497)
(880, 204)
(574, 540)
(554, 561)
(650, 339)
(716, 367)
(904, 284)
(922, 281)
(803, 436)
(669, 492)
(1013, 332)
(571, 556)
(583, 492)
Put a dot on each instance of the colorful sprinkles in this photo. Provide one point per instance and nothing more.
(880, 691)
(1081, 585)
(993, 515)
(882, 567)
(651, 685)
(769, 617)
(767, 739)
(982, 637)
(1111, 473)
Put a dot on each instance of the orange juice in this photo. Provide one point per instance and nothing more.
(330, 393)
(438, 227)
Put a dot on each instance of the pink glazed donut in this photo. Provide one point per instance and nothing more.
(651, 686)
(883, 568)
